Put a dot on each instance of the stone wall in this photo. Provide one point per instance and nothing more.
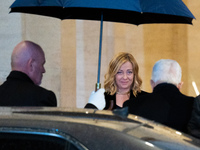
(72, 47)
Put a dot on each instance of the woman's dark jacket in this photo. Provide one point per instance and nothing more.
(111, 100)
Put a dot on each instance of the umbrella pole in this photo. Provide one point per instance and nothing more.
(98, 84)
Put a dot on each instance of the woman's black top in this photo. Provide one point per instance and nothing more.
(111, 101)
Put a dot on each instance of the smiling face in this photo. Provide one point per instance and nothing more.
(124, 77)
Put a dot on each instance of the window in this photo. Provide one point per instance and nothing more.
(34, 140)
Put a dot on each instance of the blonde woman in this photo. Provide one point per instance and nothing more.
(122, 83)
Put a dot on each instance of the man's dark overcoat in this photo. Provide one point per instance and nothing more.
(166, 105)
(19, 90)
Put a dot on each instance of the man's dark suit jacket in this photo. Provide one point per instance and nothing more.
(19, 90)
(166, 105)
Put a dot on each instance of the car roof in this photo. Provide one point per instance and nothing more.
(95, 129)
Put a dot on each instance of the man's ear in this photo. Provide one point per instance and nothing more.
(152, 84)
(30, 65)
(179, 86)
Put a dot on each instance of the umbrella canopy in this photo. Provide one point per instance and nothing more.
(125, 11)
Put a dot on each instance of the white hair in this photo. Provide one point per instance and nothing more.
(166, 71)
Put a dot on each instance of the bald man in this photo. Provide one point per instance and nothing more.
(22, 85)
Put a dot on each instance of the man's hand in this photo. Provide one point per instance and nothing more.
(98, 99)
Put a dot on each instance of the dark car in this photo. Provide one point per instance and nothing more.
(29, 128)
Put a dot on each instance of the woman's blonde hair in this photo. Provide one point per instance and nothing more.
(114, 65)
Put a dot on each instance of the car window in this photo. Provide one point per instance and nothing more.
(34, 140)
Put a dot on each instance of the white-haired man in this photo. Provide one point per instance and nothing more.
(166, 104)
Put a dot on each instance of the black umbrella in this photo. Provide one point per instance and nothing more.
(126, 11)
